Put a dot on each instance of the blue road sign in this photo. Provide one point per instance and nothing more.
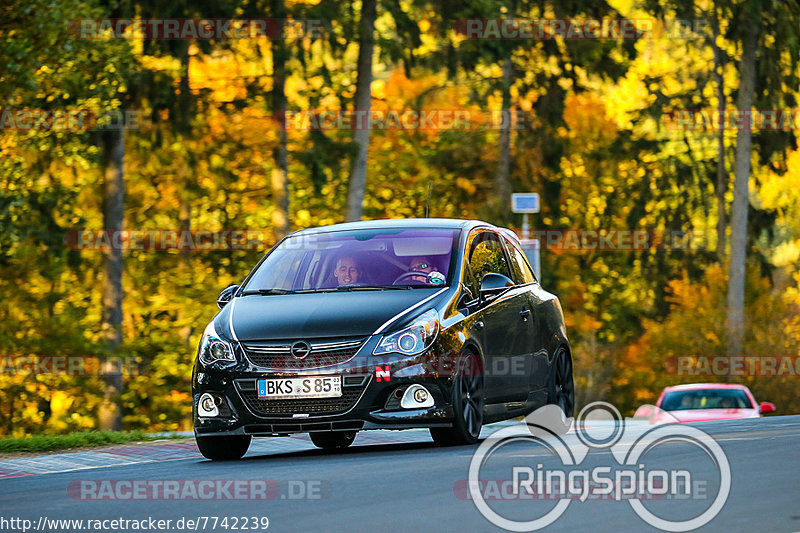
(525, 202)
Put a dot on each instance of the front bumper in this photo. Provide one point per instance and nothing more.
(369, 400)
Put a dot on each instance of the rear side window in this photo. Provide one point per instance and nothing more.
(519, 264)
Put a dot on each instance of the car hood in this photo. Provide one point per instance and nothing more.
(330, 314)
(700, 415)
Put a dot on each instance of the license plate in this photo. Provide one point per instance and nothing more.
(311, 387)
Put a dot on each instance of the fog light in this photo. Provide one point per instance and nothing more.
(416, 397)
(420, 395)
(207, 406)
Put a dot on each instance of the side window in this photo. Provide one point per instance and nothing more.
(519, 264)
(486, 255)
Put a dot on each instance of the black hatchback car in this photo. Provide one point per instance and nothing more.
(388, 324)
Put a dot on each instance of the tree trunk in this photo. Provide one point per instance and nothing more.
(186, 174)
(113, 144)
(358, 167)
(185, 263)
(280, 172)
(722, 176)
(502, 178)
(741, 200)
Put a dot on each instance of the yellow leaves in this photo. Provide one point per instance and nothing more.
(466, 185)
(163, 63)
(401, 91)
(303, 218)
(585, 116)
(378, 89)
(588, 324)
(60, 402)
(782, 191)
(787, 254)
(526, 104)
(219, 72)
(179, 397)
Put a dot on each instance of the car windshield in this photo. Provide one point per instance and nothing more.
(706, 399)
(357, 260)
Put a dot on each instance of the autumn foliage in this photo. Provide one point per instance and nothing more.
(590, 133)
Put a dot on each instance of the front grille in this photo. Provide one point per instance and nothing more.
(277, 355)
(261, 406)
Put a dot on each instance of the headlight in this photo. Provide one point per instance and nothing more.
(213, 348)
(413, 339)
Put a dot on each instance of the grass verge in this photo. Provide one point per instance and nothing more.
(46, 443)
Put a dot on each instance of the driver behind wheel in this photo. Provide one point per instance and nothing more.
(423, 266)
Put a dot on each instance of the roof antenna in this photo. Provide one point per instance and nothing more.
(428, 200)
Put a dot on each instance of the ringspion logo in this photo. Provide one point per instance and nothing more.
(568, 478)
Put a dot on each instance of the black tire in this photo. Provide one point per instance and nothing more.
(468, 401)
(333, 440)
(560, 387)
(226, 448)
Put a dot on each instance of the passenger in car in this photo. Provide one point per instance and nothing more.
(346, 271)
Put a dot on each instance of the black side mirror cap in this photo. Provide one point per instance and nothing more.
(493, 283)
(226, 295)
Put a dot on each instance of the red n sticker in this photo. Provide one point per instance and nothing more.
(382, 373)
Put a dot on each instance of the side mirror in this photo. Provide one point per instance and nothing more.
(766, 407)
(226, 295)
(492, 284)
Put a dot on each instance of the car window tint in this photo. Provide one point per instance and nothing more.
(706, 399)
(417, 257)
(486, 255)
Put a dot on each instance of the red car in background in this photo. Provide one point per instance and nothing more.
(699, 402)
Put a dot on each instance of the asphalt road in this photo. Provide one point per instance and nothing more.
(398, 481)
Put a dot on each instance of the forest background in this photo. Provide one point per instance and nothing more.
(617, 132)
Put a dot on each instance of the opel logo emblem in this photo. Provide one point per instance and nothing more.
(300, 349)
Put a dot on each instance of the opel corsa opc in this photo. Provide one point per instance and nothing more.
(390, 324)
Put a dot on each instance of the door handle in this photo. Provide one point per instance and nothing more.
(525, 314)
(479, 324)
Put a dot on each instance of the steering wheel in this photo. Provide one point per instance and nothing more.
(412, 274)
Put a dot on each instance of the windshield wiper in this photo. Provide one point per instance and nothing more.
(343, 288)
(374, 287)
(266, 292)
